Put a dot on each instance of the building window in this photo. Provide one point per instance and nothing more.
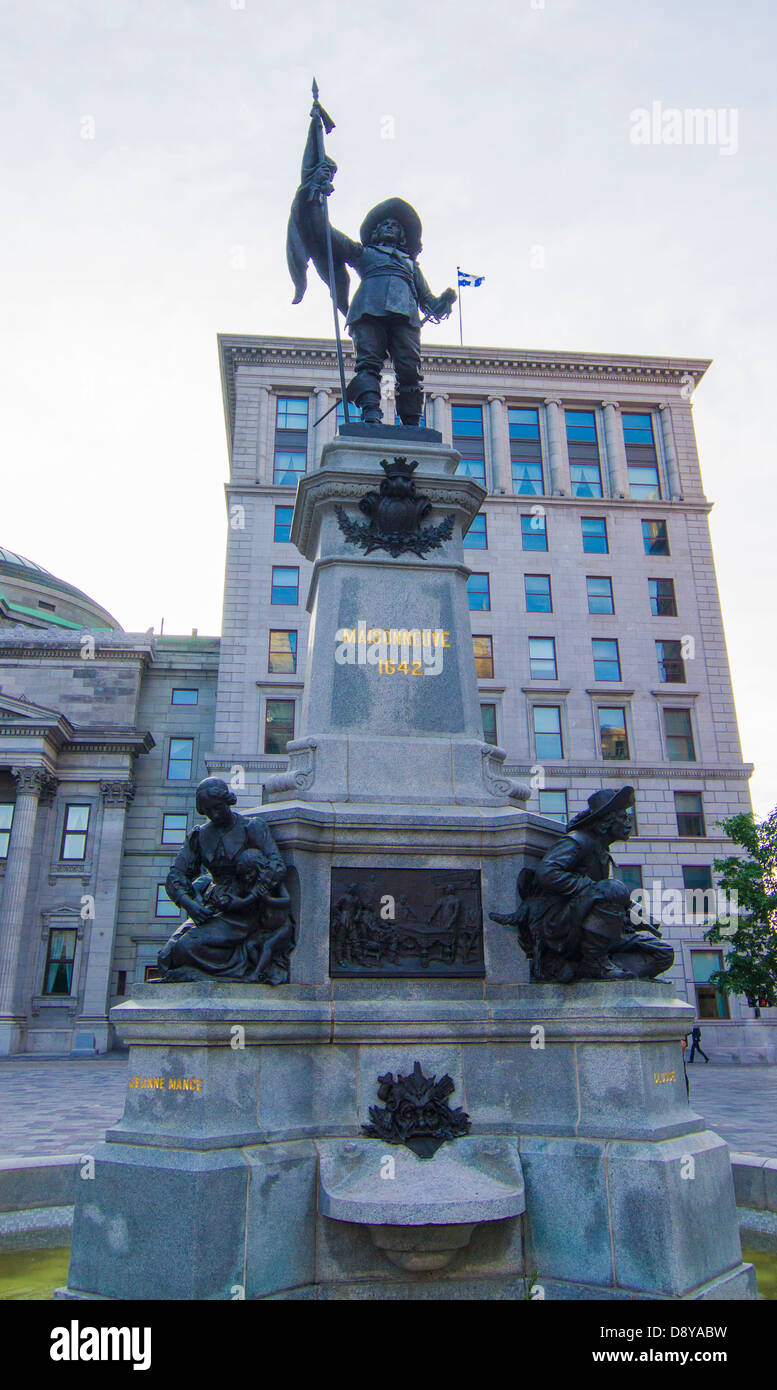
(607, 662)
(467, 422)
(278, 725)
(655, 537)
(60, 956)
(291, 441)
(282, 658)
(612, 732)
(690, 815)
(678, 733)
(710, 1002)
(283, 520)
(600, 597)
(173, 828)
(285, 584)
(74, 832)
(479, 592)
(473, 468)
(547, 731)
(542, 658)
(121, 983)
(700, 896)
(538, 593)
(288, 468)
(663, 603)
(6, 821)
(185, 697)
(477, 535)
(631, 875)
(291, 414)
(594, 535)
(583, 448)
(50, 607)
(483, 648)
(553, 805)
(534, 532)
(340, 413)
(641, 457)
(525, 452)
(488, 715)
(165, 907)
(671, 666)
(179, 761)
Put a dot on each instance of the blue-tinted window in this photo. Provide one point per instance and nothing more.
(613, 735)
(165, 907)
(663, 603)
(291, 414)
(594, 535)
(586, 479)
(479, 592)
(6, 821)
(655, 537)
(283, 519)
(553, 805)
(671, 666)
(600, 599)
(644, 483)
(538, 595)
(534, 533)
(282, 659)
(607, 664)
(285, 584)
(581, 426)
(467, 420)
(547, 731)
(477, 536)
(473, 468)
(184, 697)
(74, 832)
(173, 828)
(542, 658)
(637, 429)
(179, 760)
(288, 468)
(525, 452)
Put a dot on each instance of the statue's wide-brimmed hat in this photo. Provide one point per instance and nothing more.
(403, 213)
(602, 804)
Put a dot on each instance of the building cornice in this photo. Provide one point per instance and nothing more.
(317, 354)
(627, 772)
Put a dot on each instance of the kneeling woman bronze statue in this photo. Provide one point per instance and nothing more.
(240, 925)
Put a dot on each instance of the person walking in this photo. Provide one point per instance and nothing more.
(696, 1044)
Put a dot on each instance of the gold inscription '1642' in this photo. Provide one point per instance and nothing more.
(166, 1083)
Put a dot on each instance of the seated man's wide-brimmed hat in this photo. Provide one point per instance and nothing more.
(602, 804)
(403, 213)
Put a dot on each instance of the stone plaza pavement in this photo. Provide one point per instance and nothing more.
(64, 1105)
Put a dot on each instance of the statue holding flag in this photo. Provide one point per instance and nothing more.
(384, 319)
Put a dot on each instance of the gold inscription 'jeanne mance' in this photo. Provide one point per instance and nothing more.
(166, 1083)
(661, 1077)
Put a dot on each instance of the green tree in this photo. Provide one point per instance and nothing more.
(750, 964)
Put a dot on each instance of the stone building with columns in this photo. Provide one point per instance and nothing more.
(597, 636)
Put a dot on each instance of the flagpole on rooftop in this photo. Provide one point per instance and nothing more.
(458, 287)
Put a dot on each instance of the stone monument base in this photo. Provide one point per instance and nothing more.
(239, 1168)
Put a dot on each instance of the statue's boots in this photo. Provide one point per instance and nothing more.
(369, 404)
(595, 963)
(410, 403)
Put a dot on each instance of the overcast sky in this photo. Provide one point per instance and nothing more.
(150, 150)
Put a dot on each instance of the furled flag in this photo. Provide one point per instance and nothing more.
(473, 280)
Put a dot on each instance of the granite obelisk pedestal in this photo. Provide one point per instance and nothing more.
(240, 1167)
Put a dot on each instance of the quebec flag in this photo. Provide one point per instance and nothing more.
(473, 280)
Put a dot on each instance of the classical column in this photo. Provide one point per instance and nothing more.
(560, 480)
(31, 784)
(440, 402)
(262, 434)
(499, 432)
(116, 796)
(670, 453)
(326, 430)
(616, 449)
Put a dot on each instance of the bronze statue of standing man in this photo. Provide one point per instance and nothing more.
(384, 319)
